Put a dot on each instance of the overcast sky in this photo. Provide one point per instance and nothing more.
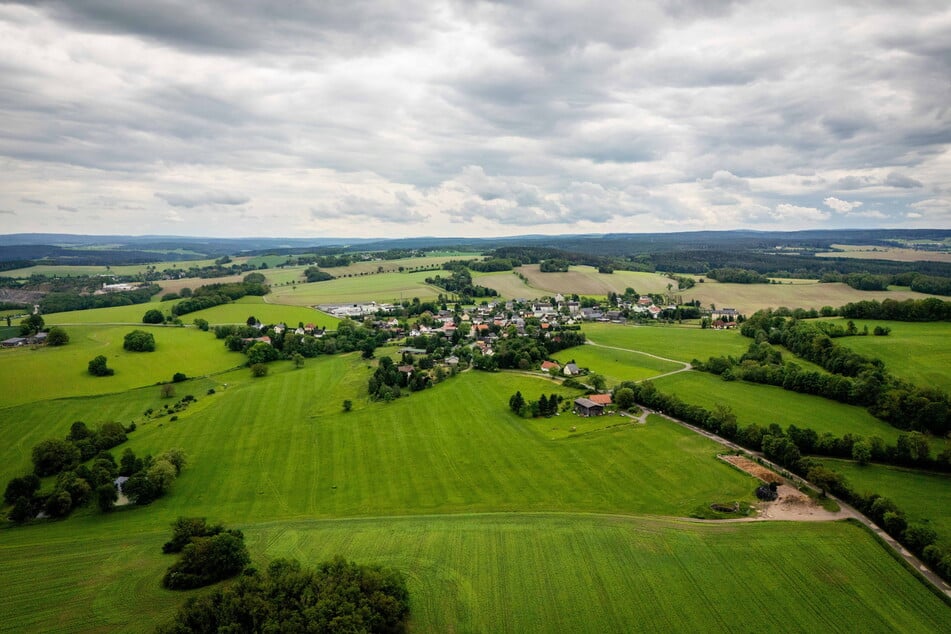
(409, 118)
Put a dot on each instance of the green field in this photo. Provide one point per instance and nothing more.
(766, 404)
(922, 495)
(616, 365)
(672, 342)
(917, 352)
(383, 287)
(499, 523)
(44, 373)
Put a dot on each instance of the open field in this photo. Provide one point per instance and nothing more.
(175, 286)
(896, 254)
(922, 495)
(917, 352)
(44, 373)
(506, 572)
(748, 298)
(585, 280)
(616, 365)
(672, 342)
(509, 285)
(113, 315)
(766, 404)
(383, 287)
(266, 312)
(126, 269)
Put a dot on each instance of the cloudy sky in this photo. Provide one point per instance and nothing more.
(408, 118)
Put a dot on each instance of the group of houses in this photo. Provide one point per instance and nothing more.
(37, 339)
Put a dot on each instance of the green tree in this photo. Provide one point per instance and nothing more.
(262, 352)
(624, 398)
(153, 316)
(139, 341)
(106, 496)
(31, 325)
(57, 337)
(207, 560)
(298, 359)
(862, 452)
(597, 381)
(53, 456)
(347, 405)
(161, 475)
(258, 370)
(201, 324)
(24, 486)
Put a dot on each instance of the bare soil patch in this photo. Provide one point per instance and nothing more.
(793, 504)
(756, 470)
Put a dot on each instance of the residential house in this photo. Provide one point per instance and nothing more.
(587, 407)
(571, 369)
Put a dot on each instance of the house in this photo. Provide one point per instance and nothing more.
(587, 407)
(645, 301)
(406, 369)
(571, 369)
(452, 361)
(13, 342)
(550, 365)
(601, 399)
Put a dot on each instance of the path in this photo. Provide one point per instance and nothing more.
(686, 365)
(847, 511)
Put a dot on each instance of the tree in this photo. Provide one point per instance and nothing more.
(517, 403)
(597, 382)
(624, 398)
(161, 475)
(22, 510)
(347, 405)
(139, 341)
(57, 337)
(178, 377)
(106, 496)
(153, 316)
(862, 452)
(201, 324)
(53, 456)
(31, 325)
(258, 370)
(24, 486)
(262, 352)
(298, 359)
(167, 391)
(207, 560)
(97, 367)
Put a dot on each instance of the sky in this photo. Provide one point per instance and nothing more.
(476, 119)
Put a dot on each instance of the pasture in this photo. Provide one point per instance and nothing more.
(522, 572)
(673, 342)
(917, 352)
(766, 404)
(383, 287)
(748, 298)
(924, 496)
(895, 254)
(616, 365)
(29, 374)
(585, 280)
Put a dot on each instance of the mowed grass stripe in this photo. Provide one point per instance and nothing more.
(671, 342)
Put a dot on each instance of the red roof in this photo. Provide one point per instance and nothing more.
(548, 365)
(600, 399)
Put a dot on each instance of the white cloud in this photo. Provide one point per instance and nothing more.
(841, 206)
(787, 212)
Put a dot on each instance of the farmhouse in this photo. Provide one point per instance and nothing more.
(571, 369)
(550, 365)
(587, 407)
(600, 399)
(13, 342)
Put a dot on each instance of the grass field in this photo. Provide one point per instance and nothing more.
(765, 404)
(508, 572)
(672, 342)
(923, 496)
(616, 365)
(748, 298)
(384, 287)
(897, 254)
(499, 523)
(44, 373)
(585, 280)
(918, 352)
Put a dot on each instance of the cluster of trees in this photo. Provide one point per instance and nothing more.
(98, 366)
(324, 261)
(554, 265)
(314, 274)
(737, 276)
(460, 283)
(153, 316)
(338, 596)
(931, 309)
(855, 379)
(209, 554)
(150, 478)
(864, 281)
(788, 448)
(388, 382)
(545, 406)
(216, 294)
(68, 301)
(139, 341)
(527, 352)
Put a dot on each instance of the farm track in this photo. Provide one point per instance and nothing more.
(686, 366)
(847, 510)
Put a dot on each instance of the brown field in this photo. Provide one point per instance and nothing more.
(585, 280)
(748, 298)
(175, 286)
(864, 252)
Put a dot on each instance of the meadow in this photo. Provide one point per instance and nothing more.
(896, 254)
(496, 526)
(917, 352)
(382, 287)
(29, 374)
(923, 496)
(616, 365)
(681, 343)
(585, 280)
(766, 404)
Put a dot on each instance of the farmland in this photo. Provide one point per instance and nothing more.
(616, 365)
(679, 343)
(381, 287)
(924, 496)
(896, 254)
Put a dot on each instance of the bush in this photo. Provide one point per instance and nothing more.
(178, 377)
(207, 560)
(97, 367)
(258, 370)
(139, 341)
(153, 316)
(57, 337)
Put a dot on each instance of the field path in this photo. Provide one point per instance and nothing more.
(686, 365)
(847, 511)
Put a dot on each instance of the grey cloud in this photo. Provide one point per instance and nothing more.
(894, 179)
(361, 208)
(71, 210)
(201, 199)
(854, 182)
(8, 212)
(33, 201)
(725, 180)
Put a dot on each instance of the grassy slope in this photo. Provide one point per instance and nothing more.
(682, 344)
(765, 404)
(922, 495)
(616, 365)
(384, 287)
(920, 353)
(518, 573)
(44, 373)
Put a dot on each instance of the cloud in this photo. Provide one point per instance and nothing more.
(8, 212)
(32, 201)
(894, 179)
(725, 180)
(785, 211)
(854, 182)
(841, 206)
(202, 198)
(399, 208)
(71, 210)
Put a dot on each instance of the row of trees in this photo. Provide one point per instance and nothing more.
(216, 294)
(545, 406)
(69, 301)
(930, 309)
(460, 283)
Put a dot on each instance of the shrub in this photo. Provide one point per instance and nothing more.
(139, 341)
(178, 377)
(97, 367)
(153, 316)
(258, 370)
(207, 560)
(57, 337)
